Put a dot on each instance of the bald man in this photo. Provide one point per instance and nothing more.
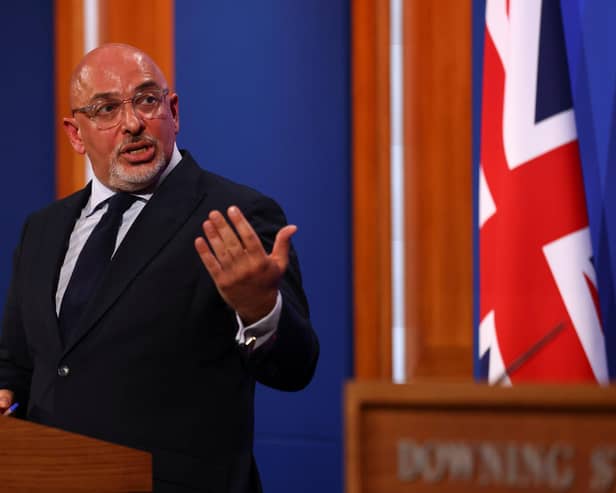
(143, 308)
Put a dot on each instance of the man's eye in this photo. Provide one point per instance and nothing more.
(146, 99)
(105, 108)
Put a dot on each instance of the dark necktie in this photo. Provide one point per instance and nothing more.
(92, 263)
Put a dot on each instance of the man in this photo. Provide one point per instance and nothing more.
(160, 349)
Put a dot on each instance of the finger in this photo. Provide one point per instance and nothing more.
(217, 245)
(249, 237)
(228, 236)
(207, 257)
(282, 245)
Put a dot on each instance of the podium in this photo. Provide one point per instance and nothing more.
(448, 437)
(36, 458)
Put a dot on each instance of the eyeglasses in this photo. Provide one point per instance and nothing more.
(107, 113)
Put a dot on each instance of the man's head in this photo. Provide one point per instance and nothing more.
(123, 117)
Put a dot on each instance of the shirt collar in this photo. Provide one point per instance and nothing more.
(100, 192)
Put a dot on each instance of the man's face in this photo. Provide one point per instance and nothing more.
(131, 155)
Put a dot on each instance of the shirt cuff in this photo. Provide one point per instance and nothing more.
(257, 334)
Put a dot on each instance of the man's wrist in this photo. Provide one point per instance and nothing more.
(252, 315)
(258, 333)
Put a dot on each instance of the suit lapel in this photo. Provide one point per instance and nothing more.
(167, 210)
(46, 267)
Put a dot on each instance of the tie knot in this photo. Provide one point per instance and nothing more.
(120, 202)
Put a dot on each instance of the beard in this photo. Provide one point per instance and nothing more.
(135, 177)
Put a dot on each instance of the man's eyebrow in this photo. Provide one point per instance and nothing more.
(149, 84)
(104, 95)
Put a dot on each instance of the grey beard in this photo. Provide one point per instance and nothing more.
(136, 177)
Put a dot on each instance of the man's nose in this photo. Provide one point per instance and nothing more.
(130, 119)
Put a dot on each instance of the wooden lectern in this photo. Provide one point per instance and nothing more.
(464, 437)
(35, 458)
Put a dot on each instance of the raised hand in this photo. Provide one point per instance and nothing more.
(246, 276)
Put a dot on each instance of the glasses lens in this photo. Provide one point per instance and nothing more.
(148, 103)
(107, 114)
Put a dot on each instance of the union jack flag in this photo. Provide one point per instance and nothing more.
(539, 316)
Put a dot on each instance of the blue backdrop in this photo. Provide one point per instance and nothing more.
(264, 100)
(590, 39)
(27, 126)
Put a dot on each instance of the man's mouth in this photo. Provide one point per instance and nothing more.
(138, 153)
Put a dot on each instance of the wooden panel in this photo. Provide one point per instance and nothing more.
(371, 217)
(36, 458)
(70, 170)
(439, 436)
(437, 107)
(146, 24)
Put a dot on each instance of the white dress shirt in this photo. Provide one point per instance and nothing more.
(253, 335)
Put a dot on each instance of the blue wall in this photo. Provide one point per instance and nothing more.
(264, 100)
(27, 124)
(590, 36)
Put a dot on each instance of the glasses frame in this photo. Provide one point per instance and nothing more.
(87, 110)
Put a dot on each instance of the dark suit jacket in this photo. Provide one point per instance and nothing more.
(154, 364)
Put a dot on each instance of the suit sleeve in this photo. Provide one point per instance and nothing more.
(287, 361)
(15, 362)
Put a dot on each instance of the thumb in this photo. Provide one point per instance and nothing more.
(282, 245)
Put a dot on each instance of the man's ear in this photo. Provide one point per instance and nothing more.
(175, 110)
(74, 136)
